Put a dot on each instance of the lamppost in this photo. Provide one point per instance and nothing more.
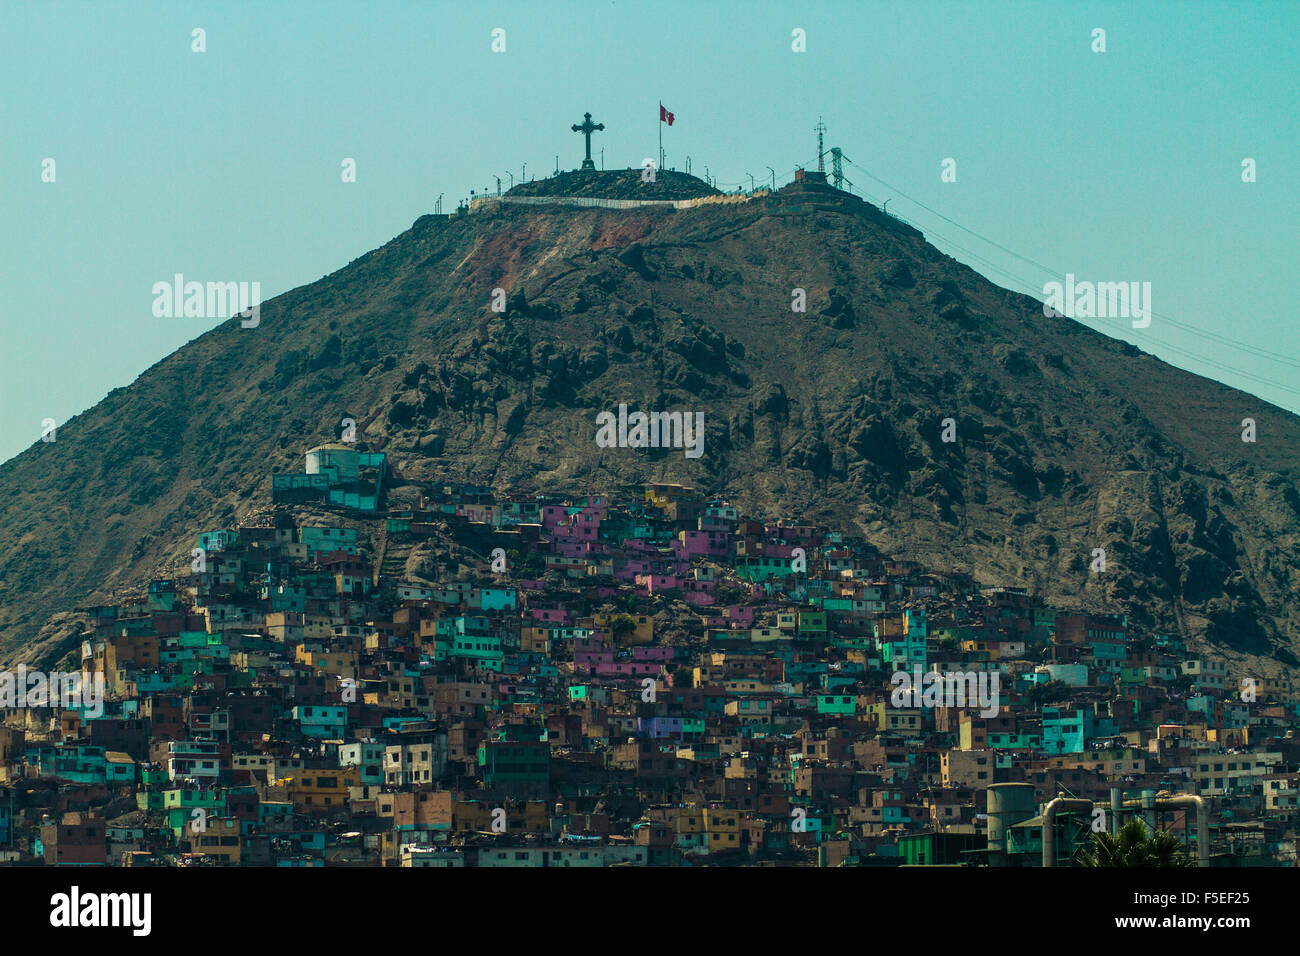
(773, 172)
(751, 181)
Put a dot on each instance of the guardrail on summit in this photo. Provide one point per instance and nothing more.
(478, 202)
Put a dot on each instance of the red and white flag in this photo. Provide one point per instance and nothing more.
(665, 116)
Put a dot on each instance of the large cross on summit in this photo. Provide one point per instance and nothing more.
(587, 128)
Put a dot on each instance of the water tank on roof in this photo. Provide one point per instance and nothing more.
(1008, 804)
(341, 462)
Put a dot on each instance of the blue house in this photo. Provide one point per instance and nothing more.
(1066, 731)
(323, 722)
(339, 474)
(218, 540)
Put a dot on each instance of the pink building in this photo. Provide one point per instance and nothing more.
(550, 615)
(589, 653)
(630, 569)
(654, 583)
(706, 543)
(628, 669)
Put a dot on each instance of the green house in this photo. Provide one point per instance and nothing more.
(844, 705)
(942, 849)
(757, 569)
(514, 761)
(179, 805)
(812, 622)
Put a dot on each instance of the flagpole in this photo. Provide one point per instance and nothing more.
(661, 132)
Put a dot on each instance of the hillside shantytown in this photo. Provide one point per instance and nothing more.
(651, 678)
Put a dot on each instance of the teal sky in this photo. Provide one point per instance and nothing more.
(225, 165)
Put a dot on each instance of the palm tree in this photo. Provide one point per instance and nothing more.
(1134, 845)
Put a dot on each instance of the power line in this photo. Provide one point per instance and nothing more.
(1204, 333)
(1159, 342)
(1213, 336)
(788, 173)
(1033, 291)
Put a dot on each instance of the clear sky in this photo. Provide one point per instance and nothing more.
(225, 165)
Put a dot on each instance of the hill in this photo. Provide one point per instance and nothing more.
(1066, 441)
(617, 184)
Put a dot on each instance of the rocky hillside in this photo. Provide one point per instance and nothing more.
(1066, 440)
(617, 184)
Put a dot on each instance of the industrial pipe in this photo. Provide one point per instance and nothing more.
(1179, 802)
(1202, 824)
(1049, 817)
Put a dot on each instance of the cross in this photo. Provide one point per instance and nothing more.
(587, 128)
